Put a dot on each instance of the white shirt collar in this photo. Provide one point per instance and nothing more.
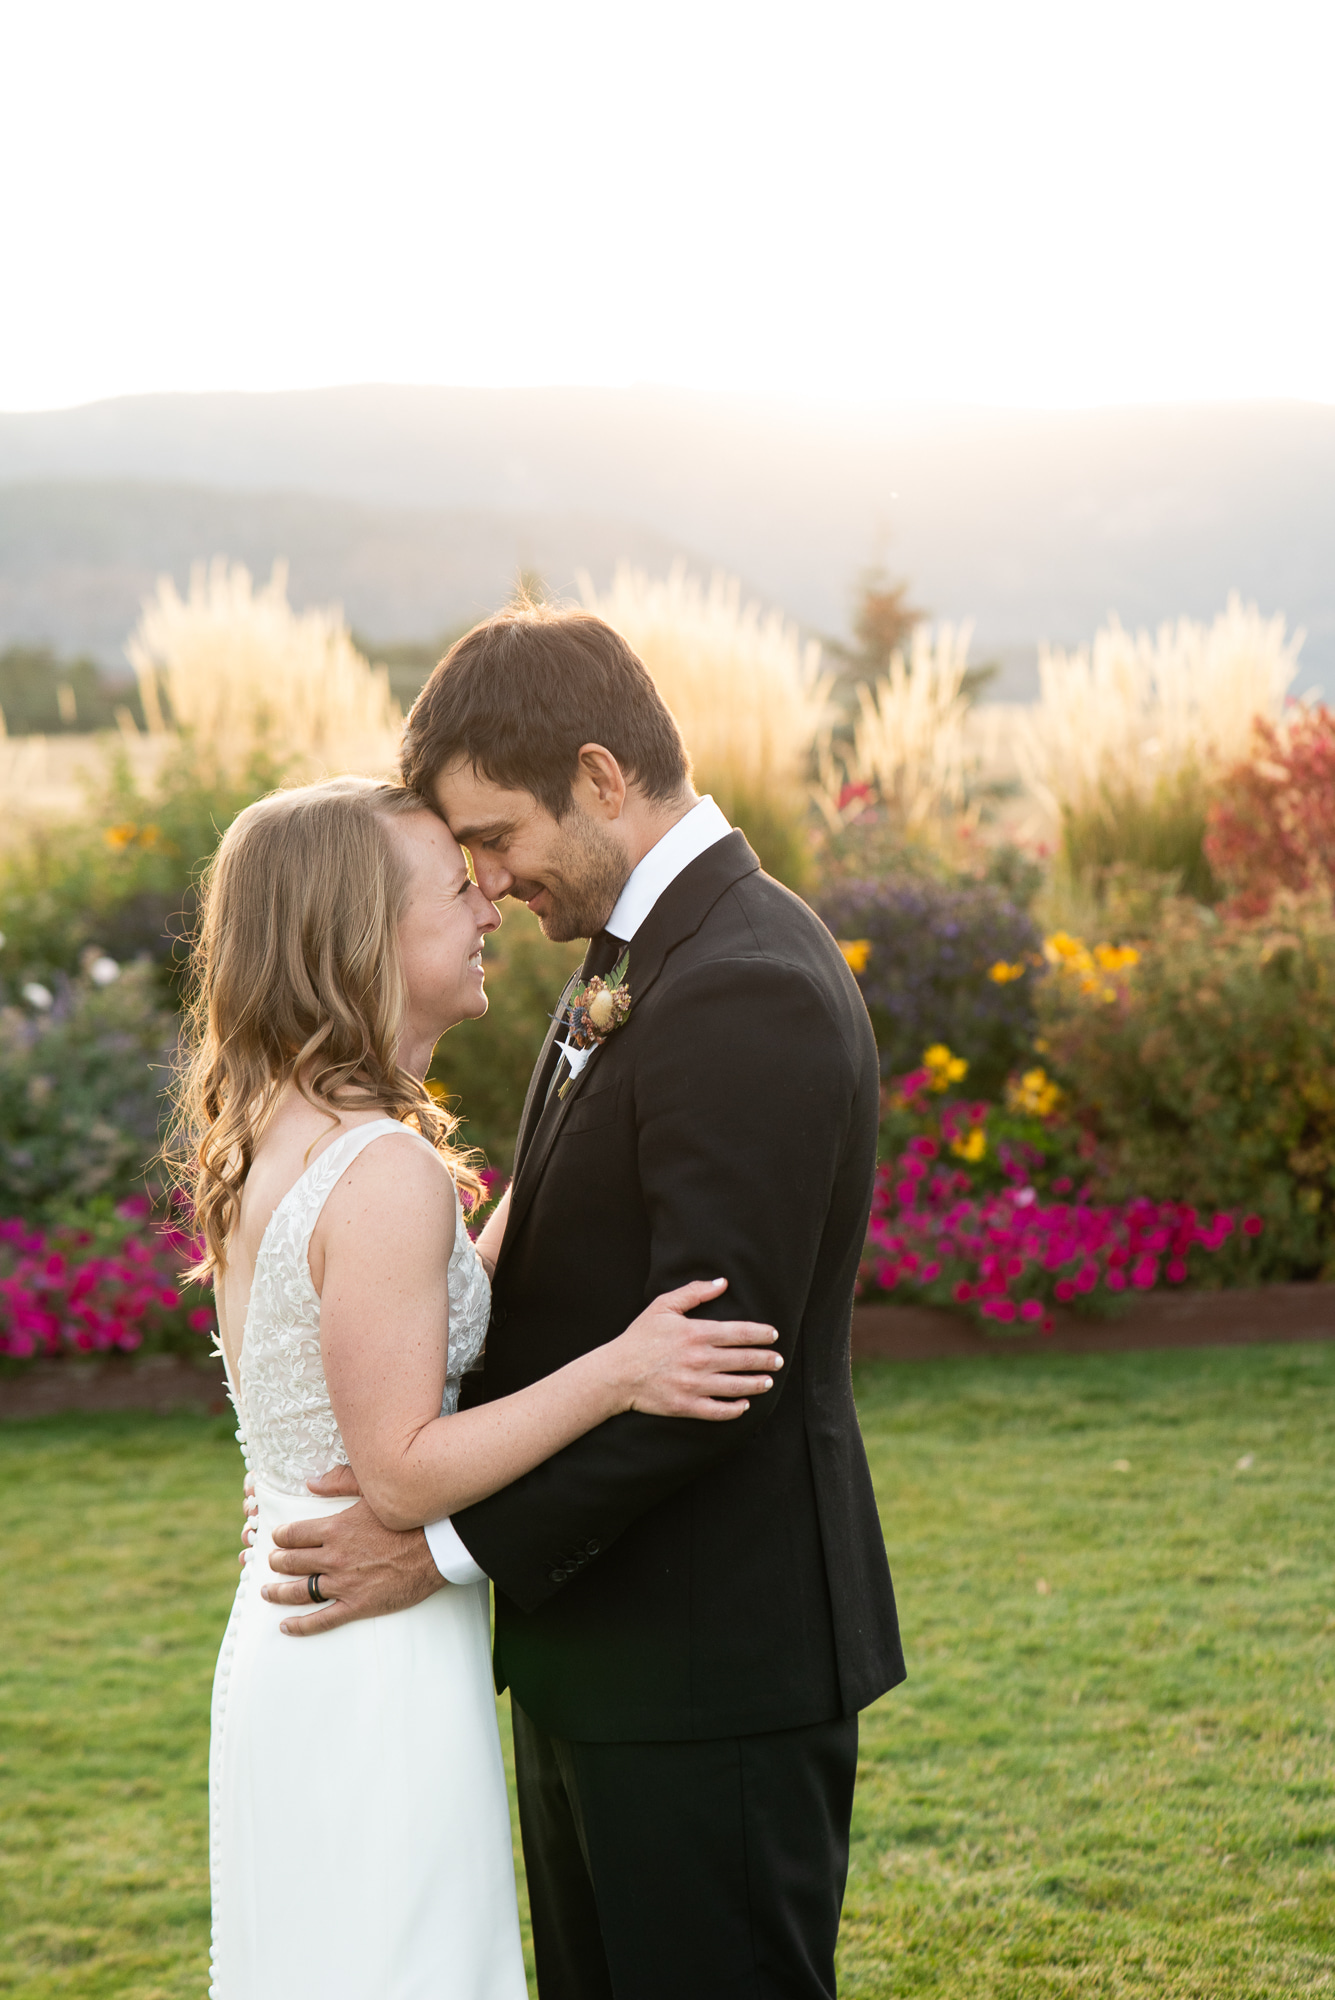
(697, 830)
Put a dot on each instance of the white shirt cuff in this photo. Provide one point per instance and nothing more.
(449, 1554)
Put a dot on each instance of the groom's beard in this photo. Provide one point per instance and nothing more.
(582, 881)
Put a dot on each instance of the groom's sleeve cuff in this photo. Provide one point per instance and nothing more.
(449, 1554)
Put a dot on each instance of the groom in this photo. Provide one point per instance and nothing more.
(688, 1615)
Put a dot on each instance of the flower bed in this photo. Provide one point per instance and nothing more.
(972, 1210)
(115, 1289)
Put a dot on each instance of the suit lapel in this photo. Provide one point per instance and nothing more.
(677, 915)
(548, 1058)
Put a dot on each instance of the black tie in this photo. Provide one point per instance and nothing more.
(603, 952)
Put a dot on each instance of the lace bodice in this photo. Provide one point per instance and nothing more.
(287, 1427)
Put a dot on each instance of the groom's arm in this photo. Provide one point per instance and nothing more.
(743, 1096)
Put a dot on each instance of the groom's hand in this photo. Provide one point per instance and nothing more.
(365, 1568)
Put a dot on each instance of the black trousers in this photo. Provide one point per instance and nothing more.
(686, 1871)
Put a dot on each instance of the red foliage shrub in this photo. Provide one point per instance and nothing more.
(1272, 826)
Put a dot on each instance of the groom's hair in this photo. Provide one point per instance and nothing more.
(519, 696)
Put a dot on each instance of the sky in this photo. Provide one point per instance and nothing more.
(1028, 205)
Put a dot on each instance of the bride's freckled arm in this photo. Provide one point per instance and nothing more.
(381, 1250)
(488, 1245)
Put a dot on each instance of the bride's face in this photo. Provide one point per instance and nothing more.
(445, 918)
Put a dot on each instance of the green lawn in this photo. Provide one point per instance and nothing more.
(1111, 1770)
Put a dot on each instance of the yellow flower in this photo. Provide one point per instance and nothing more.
(436, 1090)
(972, 1145)
(857, 951)
(1034, 1093)
(118, 837)
(1061, 945)
(1001, 973)
(945, 1067)
(1116, 957)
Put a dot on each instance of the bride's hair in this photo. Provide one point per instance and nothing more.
(295, 977)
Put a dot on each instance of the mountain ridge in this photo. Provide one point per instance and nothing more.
(1036, 525)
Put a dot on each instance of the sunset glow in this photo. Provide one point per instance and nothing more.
(1031, 205)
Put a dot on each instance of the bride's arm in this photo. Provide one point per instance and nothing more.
(380, 1255)
(488, 1244)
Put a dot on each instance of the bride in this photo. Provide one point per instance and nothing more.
(360, 1834)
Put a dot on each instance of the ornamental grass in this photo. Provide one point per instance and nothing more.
(240, 671)
(746, 690)
(910, 742)
(1128, 737)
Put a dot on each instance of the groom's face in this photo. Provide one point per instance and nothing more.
(569, 871)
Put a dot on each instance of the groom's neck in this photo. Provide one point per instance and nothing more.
(645, 821)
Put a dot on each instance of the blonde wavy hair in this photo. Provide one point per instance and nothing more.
(296, 978)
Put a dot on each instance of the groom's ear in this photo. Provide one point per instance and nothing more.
(600, 785)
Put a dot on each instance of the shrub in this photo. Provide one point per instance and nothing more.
(1209, 1078)
(930, 947)
(484, 1066)
(41, 694)
(1272, 827)
(122, 880)
(82, 1066)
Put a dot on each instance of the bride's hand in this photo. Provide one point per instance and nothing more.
(671, 1366)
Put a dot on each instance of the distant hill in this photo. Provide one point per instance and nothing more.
(416, 506)
(77, 557)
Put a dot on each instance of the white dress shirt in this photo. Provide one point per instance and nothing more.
(683, 843)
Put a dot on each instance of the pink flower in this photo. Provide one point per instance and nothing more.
(1252, 1225)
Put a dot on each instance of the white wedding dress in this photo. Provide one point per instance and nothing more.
(360, 1834)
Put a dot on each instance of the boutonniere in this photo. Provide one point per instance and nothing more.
(594, 1011)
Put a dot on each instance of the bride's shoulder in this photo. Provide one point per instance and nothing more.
(398, 1164)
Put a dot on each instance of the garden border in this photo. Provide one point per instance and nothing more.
(1245, 1316)
(1253, 1315)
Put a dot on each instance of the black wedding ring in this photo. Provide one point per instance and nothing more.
(317, 1596)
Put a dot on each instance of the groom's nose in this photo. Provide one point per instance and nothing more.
(492, 877)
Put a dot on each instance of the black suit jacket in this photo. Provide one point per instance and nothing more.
(664, 1578)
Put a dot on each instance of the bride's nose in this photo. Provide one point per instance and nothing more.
(488, 916)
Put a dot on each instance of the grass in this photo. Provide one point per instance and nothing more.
(1110, 1772)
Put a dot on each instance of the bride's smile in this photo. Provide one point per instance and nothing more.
(442, 927)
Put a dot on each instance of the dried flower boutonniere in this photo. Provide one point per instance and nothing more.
(595, 1011)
